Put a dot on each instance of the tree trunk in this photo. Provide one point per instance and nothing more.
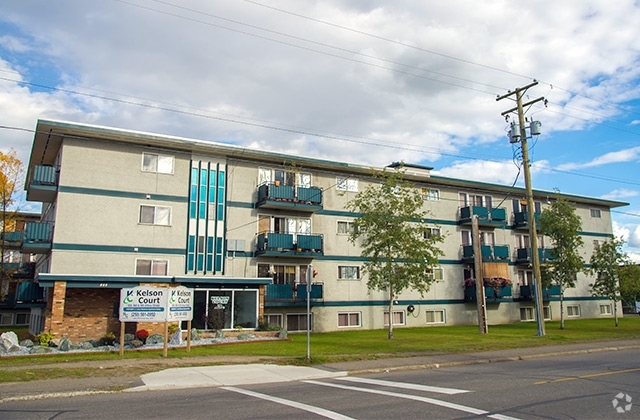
(390, 337)
(561, 307)
(615, 311)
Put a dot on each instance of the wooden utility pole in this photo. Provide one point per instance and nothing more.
(535, 257)
(479, 275)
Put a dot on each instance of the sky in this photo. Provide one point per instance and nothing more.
(368, 82)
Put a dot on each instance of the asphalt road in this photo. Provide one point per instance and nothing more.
(582, 386)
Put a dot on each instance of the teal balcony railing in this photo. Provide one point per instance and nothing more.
(37, 238)
(43, 185)
(528, 292)
(523, 255)
(23, 294)
(486, 216)
(521, 220)
(289, 197)
(490, 293)
(289, 244)
(490, 253)
(11, 240)
(289, 292)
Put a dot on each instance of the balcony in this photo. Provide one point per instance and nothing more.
(11, 240)
(528, 292)
(491, 294)
(490, 253)
(23, 294)
(37, 238)
(289, 245)
(523, 255)
(43, 185)
(19, 271)
(521, 220)
(291, 293)
(486, 216)
(289, 197)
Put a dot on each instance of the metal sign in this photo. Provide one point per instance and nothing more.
(180, 304)
(143, 304)
(156, 304)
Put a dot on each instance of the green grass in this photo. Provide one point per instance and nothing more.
(350, 345)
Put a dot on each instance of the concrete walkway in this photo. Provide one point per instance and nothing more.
(230, 375)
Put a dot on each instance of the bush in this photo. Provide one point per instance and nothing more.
(173, 328)
(44, 339)
(108, 339)
(142, 335)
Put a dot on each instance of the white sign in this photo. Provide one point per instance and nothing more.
(180, 306)
(143, 304)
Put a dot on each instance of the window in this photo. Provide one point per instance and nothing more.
(152, 267)
(605, 310)
(347, 184)
(6, 319)
(349, 319)
(529, 314)
(282, 177)
(475, 200)
(298, 322)
(349, 272)
(161, 164)
(398, 318)
(435, 317)
(283, 274)
(435, 273)
(595, 213)
(430, 194)
(429, 232)
(573, 311)
(273, 320)
(155, 215)
(22, 319)
(345, 228)
(525, 277)
(465, 237)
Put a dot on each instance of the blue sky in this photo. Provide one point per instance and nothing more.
(368, 82)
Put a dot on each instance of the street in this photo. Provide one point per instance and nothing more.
(583, 386)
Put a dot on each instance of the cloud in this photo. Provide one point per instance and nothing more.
(626, 155)
(620, 194)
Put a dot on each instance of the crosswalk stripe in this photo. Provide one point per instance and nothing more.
(316, 410)
(427, 400)
(404, 385)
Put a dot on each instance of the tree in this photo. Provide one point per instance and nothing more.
(607, 262)
(630, 284)
(11, 172)
(561, 223)
(391, 229)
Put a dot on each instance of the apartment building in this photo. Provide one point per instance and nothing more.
(242, 226)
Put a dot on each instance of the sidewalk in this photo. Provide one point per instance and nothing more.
(252, 370)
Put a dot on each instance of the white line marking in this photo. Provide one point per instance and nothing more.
(316, 410)
(404, 385)
(445, 404)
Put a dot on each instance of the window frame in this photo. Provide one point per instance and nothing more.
(157, 165)
(350, 227)
(347, 184)
(151, 266)
(386, 318)
(348, 315)
(595, 213)
(434, 275)
(578, 313)
(155, 215)
(430, 194)
(340, 272)
(433, 311)
(609, 310)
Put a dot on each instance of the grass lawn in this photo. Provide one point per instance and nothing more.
(358, 344)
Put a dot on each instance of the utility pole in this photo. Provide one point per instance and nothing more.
(535, 257)
(479, 275)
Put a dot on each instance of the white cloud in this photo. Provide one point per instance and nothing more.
(626, 155)
(620, 194)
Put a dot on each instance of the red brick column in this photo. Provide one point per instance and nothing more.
(55, 312)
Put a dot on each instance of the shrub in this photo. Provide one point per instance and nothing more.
(142, 335)
(173, 328)
(44, 339)
(108, 339)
